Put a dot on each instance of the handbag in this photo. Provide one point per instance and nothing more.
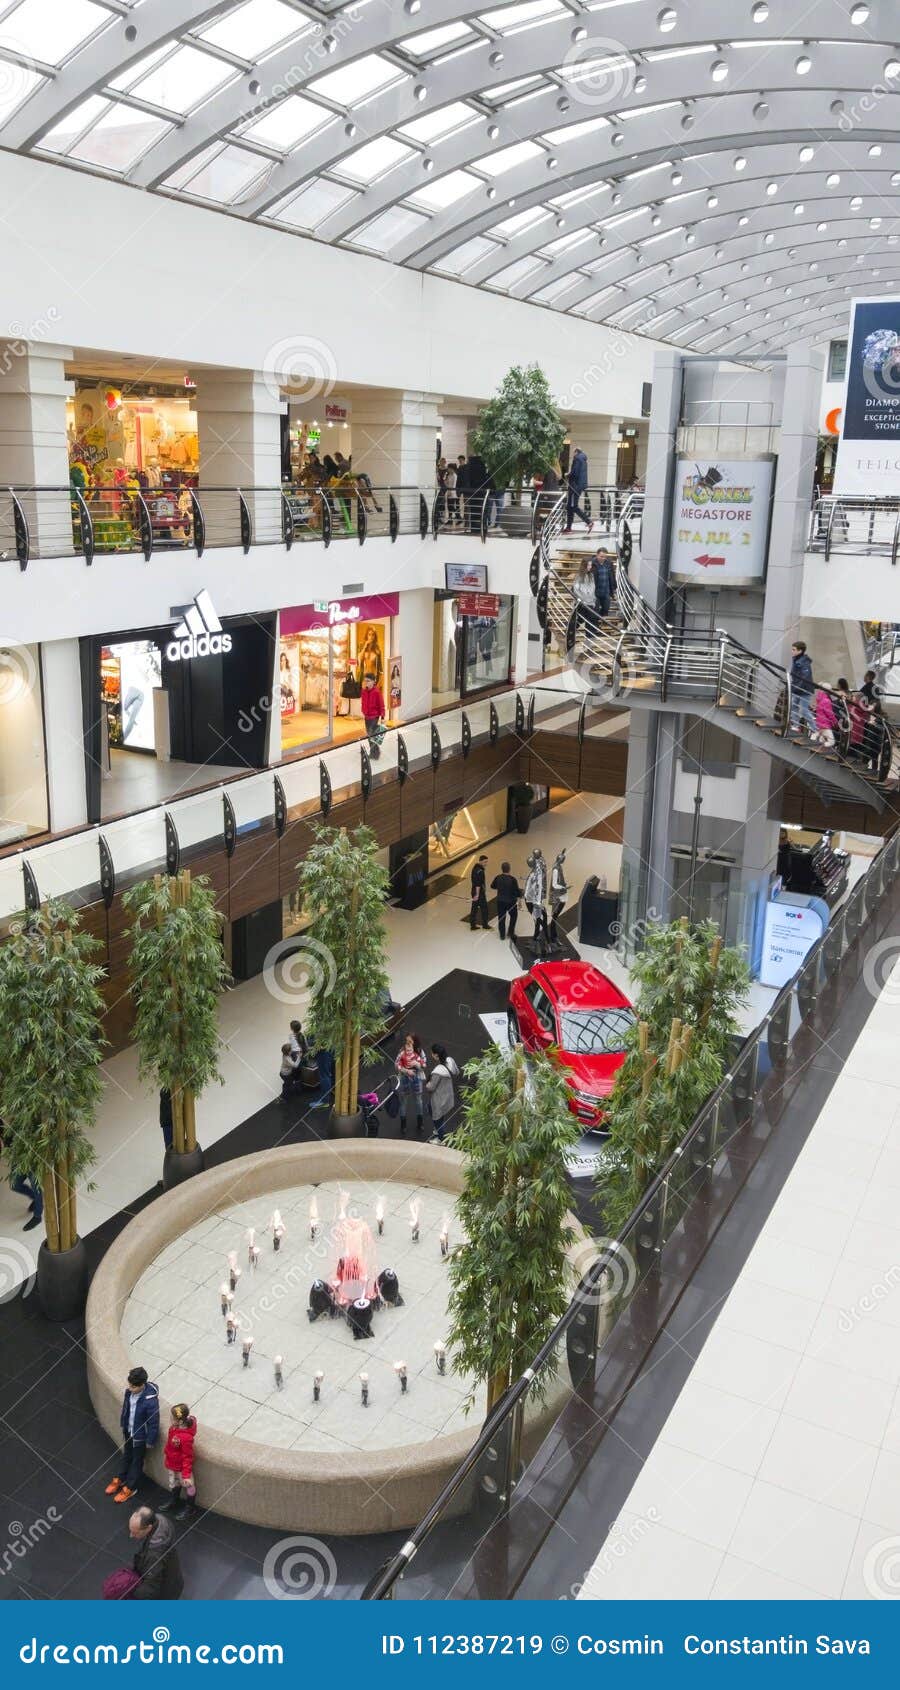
(350, 686)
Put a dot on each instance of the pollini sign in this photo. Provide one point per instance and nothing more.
(200, 634)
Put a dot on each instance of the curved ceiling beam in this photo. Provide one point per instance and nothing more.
(105, 56)
(840, 282)
(470, 69)
(679, 81)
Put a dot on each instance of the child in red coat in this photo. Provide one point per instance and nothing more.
(179, 1463)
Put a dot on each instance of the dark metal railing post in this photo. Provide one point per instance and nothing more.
(199, 523)
(393, 518)
(87, 525)
(145, 527)
(246, 524)
(362, 521)
(287, 522)
(20, 529)
(424, 518)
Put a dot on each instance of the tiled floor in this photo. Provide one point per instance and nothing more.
(777, 1472)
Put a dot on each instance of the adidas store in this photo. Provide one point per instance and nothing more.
(174, 708)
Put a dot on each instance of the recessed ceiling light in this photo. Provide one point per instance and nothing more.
(640, 84)
(428, 164)
(615, 199)
(655, 220)
(412, 7)
(687, 122)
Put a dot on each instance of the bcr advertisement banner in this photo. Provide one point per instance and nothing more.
(868, 459)
(720, 521)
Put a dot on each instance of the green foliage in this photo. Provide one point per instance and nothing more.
(50, 1040)
(177, 974)
(520, 432)
(343, 889)
(510, 1281)
(690, 989)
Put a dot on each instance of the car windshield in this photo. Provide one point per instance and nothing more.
(595, 1032)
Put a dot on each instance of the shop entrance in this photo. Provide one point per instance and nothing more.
(325, 651)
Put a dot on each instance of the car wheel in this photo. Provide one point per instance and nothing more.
(512, 1028)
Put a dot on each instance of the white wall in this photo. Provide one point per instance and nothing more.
(121, 271)
(413, 635)
(23, 804)
(851, 588)
(61, 668)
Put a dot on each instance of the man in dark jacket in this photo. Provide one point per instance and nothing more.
(802, 688)
(479, 895)
(476, 490)
(156, 1558)
(139, 1421)
(577, 486)
(508, 893)
(604, 574)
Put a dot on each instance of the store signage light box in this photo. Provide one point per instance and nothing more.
(720, 521)
(200, 634)
(868, 459)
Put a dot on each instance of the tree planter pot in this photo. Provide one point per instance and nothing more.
(62, 1281)
(177, 1167)
(346, 1126)
(524, 813)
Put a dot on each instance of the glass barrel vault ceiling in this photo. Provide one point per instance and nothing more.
(701, 171)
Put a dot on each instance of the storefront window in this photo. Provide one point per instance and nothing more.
(472, 647)
(123, 443)
(23, 772)
(324, 653)
(458, 834)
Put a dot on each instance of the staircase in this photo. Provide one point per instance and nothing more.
(634, 657)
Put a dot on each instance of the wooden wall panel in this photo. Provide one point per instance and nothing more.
(213, 865)
(604, 764)
(254, 874)
(555, 760)
(417, 801)
(490, 766)
(382, 812)
(118, 1020)
(295, 842)
(349, 814)
(449, 786)
(92, 920)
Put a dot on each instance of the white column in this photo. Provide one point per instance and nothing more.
(454, 437)
(66, 787)
(598, 437)
(413, 642)
(239, 431)
(798, 439)
(395, 437)
(33, 445)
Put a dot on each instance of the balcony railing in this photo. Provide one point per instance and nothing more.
(866, 525)
(49, 522)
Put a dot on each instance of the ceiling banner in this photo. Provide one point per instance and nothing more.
(868, 459)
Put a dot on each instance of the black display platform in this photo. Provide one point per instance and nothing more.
(528, 951)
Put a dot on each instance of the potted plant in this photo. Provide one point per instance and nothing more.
(523, 805)
(510, 1280)
(177, 974)
(520, 432)
(690, 987)
(343, 888)
(50, 1039)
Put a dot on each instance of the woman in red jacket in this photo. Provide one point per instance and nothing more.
(179, 1463)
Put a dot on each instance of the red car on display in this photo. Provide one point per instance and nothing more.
(577, 1014)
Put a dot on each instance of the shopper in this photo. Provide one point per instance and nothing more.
(410, 1066)
(873, 736)
(372, 706)
(577, 481)
(462, 487)
(139, 1421)
(156, 1558)
(826, 718)
(604, 573)
(26, 1186)
(868, 690)
(585, 596)
(166, 1118)
(451, 497)
(178, 1459)
(289, 1072)
(441, 1092)
(477, 485)
(508, 893)
(297, 1039)
(802, 688)
(479, 895)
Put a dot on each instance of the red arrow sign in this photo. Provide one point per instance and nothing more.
(707, 561)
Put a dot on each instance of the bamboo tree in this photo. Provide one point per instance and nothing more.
(690, 989)
(178, 972)
(343, 889)
(509, 1280)
(50, 1042)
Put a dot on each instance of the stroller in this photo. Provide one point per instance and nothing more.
(386, 1097)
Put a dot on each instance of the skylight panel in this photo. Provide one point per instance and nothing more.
(358, 80)
(578, 237)
(373, 160)
(504, 89)
(571, 131)
(554, 290)
(438, 123)
(522, 220)
(289, 122)
(127, 78)
(311, 207)
(437, 196)
(121, 136)
(462, 258)
(50, 29)
(59, 139)
(256, 27)
(226, 176)
(495, 164)
(515, 273)
(387, 230)
(183, 81)
(508, 18)
(431, 41)
(16, 83)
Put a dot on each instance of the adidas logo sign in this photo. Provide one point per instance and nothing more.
(200, 634)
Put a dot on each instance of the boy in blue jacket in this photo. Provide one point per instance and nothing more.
(139, 1421)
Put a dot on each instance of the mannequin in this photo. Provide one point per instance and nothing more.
(559, 894)
(536, 887)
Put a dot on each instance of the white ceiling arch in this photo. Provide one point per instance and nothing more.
(684, 163)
